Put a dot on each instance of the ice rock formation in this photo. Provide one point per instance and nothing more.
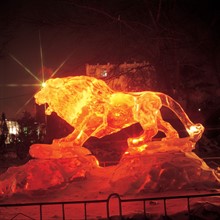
(46, 174)
(168, 165)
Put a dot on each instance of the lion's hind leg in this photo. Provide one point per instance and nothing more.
(166, 128)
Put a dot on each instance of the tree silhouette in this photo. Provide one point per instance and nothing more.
(4, 132)
(28, 129)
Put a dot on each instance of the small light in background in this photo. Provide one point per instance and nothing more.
(104, 73)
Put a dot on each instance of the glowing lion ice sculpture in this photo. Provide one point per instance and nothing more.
(93, 109)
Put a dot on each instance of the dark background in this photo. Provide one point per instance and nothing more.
(179, 38)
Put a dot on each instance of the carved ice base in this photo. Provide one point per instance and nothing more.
(168, 165)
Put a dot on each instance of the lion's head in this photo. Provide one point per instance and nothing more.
(67, 96)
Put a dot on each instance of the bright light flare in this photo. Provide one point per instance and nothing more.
(43, 84)
(24, 67)
(21, 85)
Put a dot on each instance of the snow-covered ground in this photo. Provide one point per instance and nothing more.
(176, 208)
(164, 169)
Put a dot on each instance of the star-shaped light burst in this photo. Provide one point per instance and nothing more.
(40, 82)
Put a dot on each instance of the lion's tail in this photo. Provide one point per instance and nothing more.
(195, 131)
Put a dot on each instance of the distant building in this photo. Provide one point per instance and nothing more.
(125, 76)
(13, 131)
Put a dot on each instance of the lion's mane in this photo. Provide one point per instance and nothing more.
(74, 93)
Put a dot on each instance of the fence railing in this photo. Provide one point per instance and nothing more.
(107, 203)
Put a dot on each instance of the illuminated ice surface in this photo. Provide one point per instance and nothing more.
(69, 171)
(94, 109)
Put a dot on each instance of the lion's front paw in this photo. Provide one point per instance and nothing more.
(55, 141)
(66, 142)
(62, 143)
(59, 141)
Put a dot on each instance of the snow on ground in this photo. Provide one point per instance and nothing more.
(87, 190)
(133, 177)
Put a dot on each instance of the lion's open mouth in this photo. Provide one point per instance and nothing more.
(39, 99)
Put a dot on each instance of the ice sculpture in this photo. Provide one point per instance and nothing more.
(93, 109)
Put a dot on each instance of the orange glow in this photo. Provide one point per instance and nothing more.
(142, 148)
(97, 162)
(94, 109)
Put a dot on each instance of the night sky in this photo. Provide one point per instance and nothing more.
(96, 32)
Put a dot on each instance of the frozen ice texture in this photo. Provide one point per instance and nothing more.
(93, 109)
